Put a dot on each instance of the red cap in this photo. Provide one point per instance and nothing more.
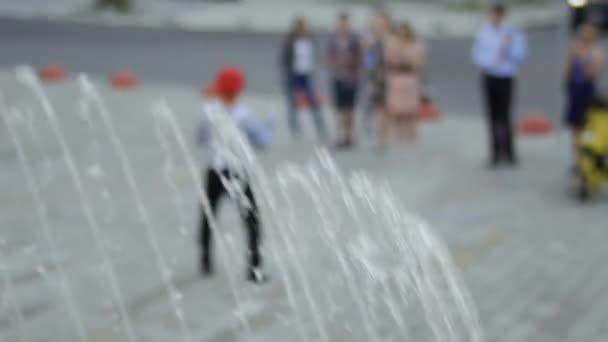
(229, 82)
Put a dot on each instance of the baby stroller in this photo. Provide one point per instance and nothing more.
(593, 149)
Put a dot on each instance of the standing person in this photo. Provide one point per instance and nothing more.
(344, 56)
(226, 175)
(298, 62)
(373, 46)
(403, 59)
(499, 50)
(585, 61)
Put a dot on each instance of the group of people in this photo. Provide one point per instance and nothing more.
(499, 50)
(389, 59)
(385, 63)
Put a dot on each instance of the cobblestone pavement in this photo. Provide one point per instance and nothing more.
(530, 254)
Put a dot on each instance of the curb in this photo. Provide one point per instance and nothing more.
(464, 26)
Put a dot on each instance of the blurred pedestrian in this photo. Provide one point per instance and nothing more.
(298, 59)
(226, 174)
(585, 61)
(403, 60)
(344, 54)
(373, 62)
(499, 50)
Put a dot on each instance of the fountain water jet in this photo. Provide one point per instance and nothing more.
(10, 293)
(350, 263)
(91, 93)
(27, 76)
(44, 223)
(428, 258)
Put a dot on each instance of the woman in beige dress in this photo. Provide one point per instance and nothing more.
(403, 59)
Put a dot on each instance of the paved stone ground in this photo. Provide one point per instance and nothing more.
(531, 256)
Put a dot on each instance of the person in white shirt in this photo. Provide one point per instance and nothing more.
(298, 59)
(222, 111)
(499, 51)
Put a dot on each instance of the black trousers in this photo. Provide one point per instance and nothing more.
(498, 93)
(215, 191)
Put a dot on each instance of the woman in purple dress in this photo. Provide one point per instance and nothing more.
(585, 61)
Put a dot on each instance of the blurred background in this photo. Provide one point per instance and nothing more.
(531, 255)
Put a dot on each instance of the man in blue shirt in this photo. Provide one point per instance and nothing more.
(499, 50)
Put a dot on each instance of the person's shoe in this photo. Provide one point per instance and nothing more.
(343, 145)
(584, 195)
(513, 163)
(255, 275)
(206, 266)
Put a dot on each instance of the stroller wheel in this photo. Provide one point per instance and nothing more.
(584, 194)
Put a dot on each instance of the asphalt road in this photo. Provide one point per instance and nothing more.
(189, 58)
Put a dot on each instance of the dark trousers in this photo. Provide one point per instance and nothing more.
(215, 191)
(302, 84)
(498, 92)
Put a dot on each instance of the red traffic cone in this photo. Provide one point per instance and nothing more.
(534, 123)
(123, 80)
(429, 111)
(51, 73)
